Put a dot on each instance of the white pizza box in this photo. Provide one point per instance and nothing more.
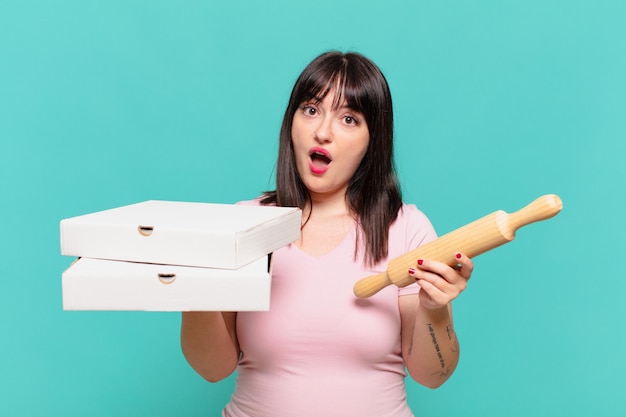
(96, 284)
(181, 233)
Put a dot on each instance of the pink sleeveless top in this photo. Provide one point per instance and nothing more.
(320, 351)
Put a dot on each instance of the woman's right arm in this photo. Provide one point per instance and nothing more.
(209, 343)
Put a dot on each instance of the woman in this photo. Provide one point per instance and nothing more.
(320, 351)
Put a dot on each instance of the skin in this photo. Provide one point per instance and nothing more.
(209, 343)
(430, 347)
(344, 134)
(429, 344)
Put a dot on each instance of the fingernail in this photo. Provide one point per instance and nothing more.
(420, 261)
(458, 256)
(411, 271)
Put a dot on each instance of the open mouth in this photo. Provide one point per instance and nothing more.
(320, 159)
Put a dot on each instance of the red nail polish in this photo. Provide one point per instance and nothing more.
(420, 261)
(411, 271)
(458, 256)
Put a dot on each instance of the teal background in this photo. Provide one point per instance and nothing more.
(104, 104)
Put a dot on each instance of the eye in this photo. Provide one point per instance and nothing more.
(309, 109)
(350, 120)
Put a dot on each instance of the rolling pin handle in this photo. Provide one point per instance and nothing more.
(542, 208)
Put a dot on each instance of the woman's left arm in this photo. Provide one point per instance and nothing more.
(430, 347)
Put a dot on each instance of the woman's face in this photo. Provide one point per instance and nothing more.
(329, 144)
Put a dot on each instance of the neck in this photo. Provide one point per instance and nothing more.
(327, 205)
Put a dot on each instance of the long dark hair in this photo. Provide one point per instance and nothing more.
(373, 194)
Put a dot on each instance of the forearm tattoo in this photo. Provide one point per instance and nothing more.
(452, 336)
(445, 368)
(436, 344)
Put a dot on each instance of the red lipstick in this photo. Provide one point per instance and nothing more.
(319, 160)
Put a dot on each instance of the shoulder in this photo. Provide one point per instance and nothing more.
(409, 213)
(411, 229)
(412, 220)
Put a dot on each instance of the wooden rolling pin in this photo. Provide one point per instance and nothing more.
(472, 239)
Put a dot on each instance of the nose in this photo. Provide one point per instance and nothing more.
(323, 131)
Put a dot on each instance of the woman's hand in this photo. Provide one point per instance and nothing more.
(440, 283)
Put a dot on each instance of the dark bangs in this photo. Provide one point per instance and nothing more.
(351, 83)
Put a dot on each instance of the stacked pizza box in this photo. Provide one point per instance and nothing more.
(174, 256)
